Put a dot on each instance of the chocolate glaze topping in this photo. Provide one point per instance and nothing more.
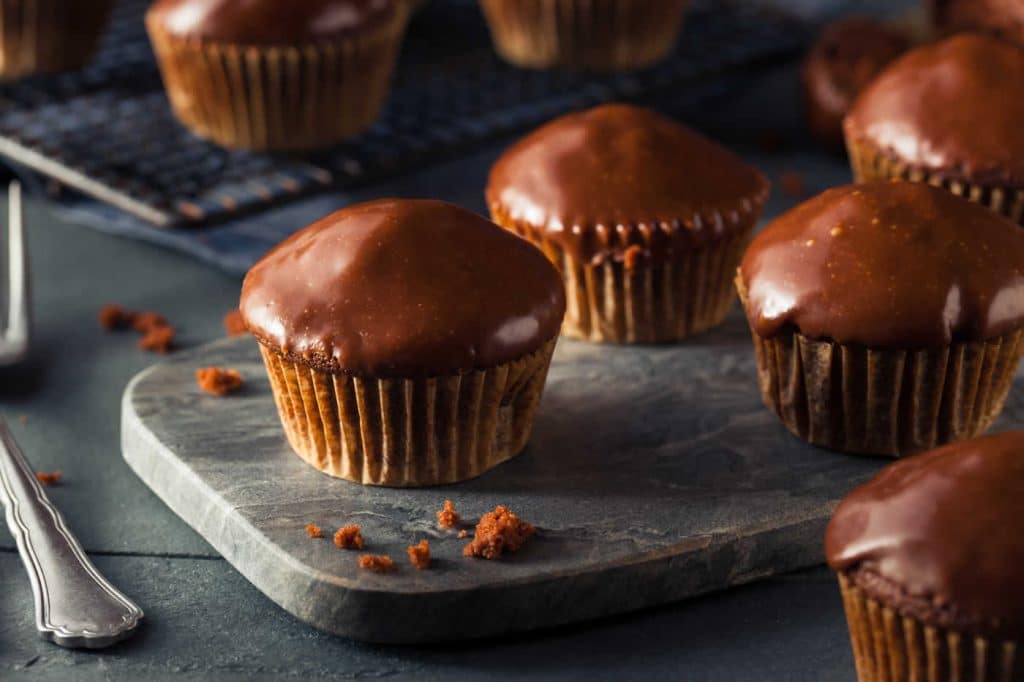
(939, 536)
(847, 55)
(269, 22)
(886, 265)
(619, 169)
(948, 107)
(403, 288)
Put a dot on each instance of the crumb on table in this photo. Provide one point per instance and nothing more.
(113, 316)
(234, 325)
(158, 340)
(145, 322)
(463, 534)
(48, 477)
(419, 554)
(349, 537)
(314, 531)
(447, 517)
(218, 380)
(376, 563)
(498, 532)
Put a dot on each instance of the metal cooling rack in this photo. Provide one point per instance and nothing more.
(108, 132)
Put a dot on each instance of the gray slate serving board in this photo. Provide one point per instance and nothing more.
(653, 474)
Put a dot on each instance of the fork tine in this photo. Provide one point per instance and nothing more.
(17, 271)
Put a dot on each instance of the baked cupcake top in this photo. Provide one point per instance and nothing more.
(845, 57)
(947, 107)
(597, 181)
(940, 536)
(269, 22)
(402, 287)
(886, 265)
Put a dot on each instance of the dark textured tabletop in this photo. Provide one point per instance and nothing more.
(203, 620)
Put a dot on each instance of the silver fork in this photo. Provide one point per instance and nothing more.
(14, 340)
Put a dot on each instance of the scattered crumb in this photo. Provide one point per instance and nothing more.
(158, 340)
(376, 563)
(234, 325)
(447, 517)
(463, 534)
(792, 185)
(49, 477)
(419, 555)
(499, 531)
(633, 257)
(218, 381)
(113, 316)
(314, 531)
(349, 537)
(148, 321)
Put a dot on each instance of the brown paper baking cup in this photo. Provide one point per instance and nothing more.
(46, 36)
(882, 401)
(279, 98)
(593, 34)
(869, 163)
(889, 647)
(652, 302)
(408, 432)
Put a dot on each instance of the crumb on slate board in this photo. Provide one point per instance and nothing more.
(349, 537)
(314, 531)
(447, 517)
(218, 380)
(419, 554)
(49, 477)
(498, 532)
(376, 563)
(234, 325)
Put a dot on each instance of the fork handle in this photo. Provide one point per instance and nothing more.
(75, 605)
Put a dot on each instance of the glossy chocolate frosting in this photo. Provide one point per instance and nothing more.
(951, 107)
(886, 265)
(618, 168)
(846, 56)
(940, 536)
(403, 288)
(269, 22)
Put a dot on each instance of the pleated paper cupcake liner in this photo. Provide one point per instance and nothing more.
(408, 432)
(882, 401)
(889, 647)
(47, 36)
(869, 163)
(279, 98)
(657, 301)
(593, 34)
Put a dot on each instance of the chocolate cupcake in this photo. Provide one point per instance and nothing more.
(645, 218)
(407, 341)
(589, 34)
(942, 115)
(273, 75)
(846, 56)
(887, 317)
(1002, 18)
(47, 36)
(930, 557)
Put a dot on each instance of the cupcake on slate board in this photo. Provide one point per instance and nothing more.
(47, 36)
(645, 218)
(930, 557)
(1003, 18)
(407, 341)
(274, 75)
(947, 114)
(845, 57)
(589, 34)
(887, 317)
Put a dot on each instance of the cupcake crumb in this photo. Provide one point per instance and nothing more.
(234, 324)
(633, 257)
(49, 477)
(447, 517)
(419, 555)
(463, 534)
(113, 316)
(349, 537)
(377, 563)
(498, 532)
(158, 340)
(314, 531)
(146, 322)
(218, 381)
